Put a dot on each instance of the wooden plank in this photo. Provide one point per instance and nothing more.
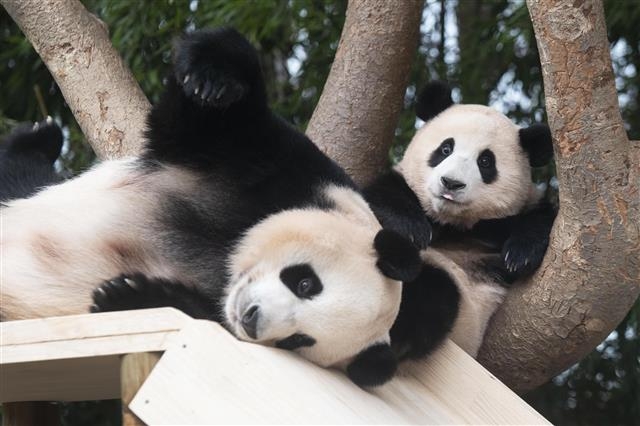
(91, 325)
(207, 376)
(458, 384)
(76, 357)
(134, 370)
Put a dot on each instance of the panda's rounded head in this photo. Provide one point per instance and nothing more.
(315, 281)
(470, 162)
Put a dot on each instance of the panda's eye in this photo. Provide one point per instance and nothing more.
(302, 280)
(304, 287)
(485, 161)
(446, 149)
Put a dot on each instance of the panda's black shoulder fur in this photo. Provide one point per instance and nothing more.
(27, 156)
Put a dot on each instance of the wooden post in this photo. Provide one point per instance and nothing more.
(30, 414)
(134, 370)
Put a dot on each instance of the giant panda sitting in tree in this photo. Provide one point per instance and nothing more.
(229, 214)
(464, 189)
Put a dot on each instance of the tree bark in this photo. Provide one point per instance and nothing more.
(356, 116)
(101, 91)
(591, 275)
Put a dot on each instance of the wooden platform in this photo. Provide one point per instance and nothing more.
(205, 375)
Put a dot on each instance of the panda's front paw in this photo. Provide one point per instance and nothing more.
(522, 257)
(119, 294)
(215, 67)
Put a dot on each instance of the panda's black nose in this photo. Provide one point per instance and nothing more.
(250, 321)
(452, 184)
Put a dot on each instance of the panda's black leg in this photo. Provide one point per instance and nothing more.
(137, 291)
(428, 311)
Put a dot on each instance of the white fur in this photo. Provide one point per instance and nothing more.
(474, 128)
(59, 244)
(357, 305)
(479, 298)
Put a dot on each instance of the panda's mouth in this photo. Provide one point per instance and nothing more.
(448, 197)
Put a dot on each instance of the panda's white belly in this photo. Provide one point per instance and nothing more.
(479, 298)
(56, 246)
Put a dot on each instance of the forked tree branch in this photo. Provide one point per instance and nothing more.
(358, 111)
(591, 275)
(104, 97)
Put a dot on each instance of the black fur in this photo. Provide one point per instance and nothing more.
(295, 341)
(250, 163)
(397, 257)
(537, 143)
(26, 159)
(397, 208)
(214, 120)
(374, 366)
(137, 291)
(487, 166)
(440, 153)
(293, 276)
(434, 98)
(428, 310)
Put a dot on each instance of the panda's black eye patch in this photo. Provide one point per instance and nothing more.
(295, 341)
(487, 166)
(301, 280)
(443, 151)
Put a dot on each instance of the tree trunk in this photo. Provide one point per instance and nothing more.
(101, 91)
(357, 114)
(591, 275)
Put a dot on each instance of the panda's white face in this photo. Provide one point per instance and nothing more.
(467, 164)
(307, 280)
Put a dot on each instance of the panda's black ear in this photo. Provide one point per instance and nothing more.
(398, 258)
(434, 98)
(536, 141)
(374, 366)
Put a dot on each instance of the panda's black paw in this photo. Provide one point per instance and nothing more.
(120, 294)
(43, 138)
(216, 68)
(522, 257)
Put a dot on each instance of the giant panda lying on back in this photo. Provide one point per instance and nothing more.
(463, 189)
(229, 213)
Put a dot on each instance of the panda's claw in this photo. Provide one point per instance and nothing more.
(131, 283)
(186, 79)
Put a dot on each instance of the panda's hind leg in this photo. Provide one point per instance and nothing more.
(136, 291)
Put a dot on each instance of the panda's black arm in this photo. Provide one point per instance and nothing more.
(428, 310)
(136, 291)
(522, 238)
(397, 208)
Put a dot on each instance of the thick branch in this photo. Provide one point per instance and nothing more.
(357, 113)
(591, 274)
(101, 91)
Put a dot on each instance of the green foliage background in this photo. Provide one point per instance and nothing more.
(485, 48)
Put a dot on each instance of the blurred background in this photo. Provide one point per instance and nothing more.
(484, 48)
